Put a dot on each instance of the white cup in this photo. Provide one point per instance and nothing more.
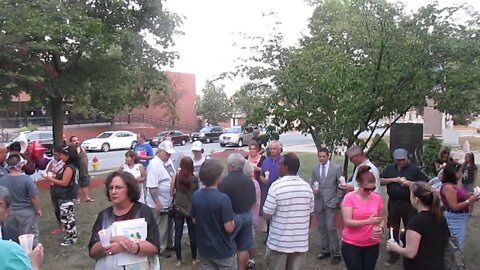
(26, 241)
(105, 235)
(267, 174)
(342, 180)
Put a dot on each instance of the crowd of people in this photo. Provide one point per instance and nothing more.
(172, 192)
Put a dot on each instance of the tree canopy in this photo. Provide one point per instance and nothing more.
(105, 56)
(214, 105)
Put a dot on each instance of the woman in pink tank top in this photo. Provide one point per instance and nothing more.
(456, 202)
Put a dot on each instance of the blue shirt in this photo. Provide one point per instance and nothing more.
(211, 209)
(143, 150)
(273, 166)
(13, 256)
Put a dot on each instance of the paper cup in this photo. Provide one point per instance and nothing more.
(267, 175)
(342, 180)
(104, 237)
(26, 241)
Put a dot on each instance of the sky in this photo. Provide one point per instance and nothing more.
(211, 29)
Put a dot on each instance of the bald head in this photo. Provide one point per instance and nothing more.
(3, 153)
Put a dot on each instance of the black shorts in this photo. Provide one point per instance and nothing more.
(84, 181)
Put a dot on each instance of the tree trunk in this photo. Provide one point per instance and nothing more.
(57, 120)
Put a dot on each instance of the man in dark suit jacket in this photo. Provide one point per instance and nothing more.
(325, 181)
(7, 232)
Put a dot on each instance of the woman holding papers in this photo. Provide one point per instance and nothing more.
(130, 225)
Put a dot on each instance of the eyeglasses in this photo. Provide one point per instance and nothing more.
(116, 188)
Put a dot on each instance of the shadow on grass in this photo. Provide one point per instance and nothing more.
(76, 256)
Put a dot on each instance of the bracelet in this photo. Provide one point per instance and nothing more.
(138, 250)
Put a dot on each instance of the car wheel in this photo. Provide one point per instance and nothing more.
(105, 147)
(133, 144)
(183, 142)
(240, 143)
(207, 140)
(222, 145)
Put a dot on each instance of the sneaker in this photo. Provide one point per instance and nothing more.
(164, 254)
(251, 264)
(195, 263)
(178, 264)
(392, 259)
(66, 243)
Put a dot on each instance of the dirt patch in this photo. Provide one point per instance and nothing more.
(94, 183)
(227, 152)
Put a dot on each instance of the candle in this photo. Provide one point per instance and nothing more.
(391, 233)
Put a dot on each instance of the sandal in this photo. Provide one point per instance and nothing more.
(77, 201)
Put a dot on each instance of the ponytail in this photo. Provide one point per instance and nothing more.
(436, 208)
(428, 197)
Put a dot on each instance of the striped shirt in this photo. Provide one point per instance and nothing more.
(289, 202)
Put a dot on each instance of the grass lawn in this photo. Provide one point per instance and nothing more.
(76, 257)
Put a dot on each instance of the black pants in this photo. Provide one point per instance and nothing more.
(360, 258)
(56, 207)
(179, 221)
(399, 211)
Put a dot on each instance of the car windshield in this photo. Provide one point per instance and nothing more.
(235, 130)
(205, 130)
(104, 135)
(163, 133)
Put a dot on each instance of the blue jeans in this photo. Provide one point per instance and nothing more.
(457, 223)
(243, 235)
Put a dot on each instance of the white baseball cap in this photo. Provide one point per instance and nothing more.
(167, 146)
(197, 146)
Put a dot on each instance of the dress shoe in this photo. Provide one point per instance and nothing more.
(336, 259)
(323, 256)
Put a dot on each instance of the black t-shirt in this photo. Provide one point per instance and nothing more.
(139, 210)
(430, 255)
(469, 172)
(240, 189)
(410, 172)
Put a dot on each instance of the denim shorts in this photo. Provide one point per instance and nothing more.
(243, 233)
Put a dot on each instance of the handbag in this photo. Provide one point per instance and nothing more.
(453, 256)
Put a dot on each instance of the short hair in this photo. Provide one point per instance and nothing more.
(248, 169)
(291, 161)
(13, 160)
(253, 143)
(142, 135)
(71, 138)
(5, 196)
(15, 146)
(133, 191)
(210, 171)
(323, 150)
(354, 150)
(276, 142)
(132, 155)
(236, 160)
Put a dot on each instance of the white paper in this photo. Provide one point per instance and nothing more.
(476, 191)
(134, 229)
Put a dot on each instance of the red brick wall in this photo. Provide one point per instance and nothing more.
(184, 85)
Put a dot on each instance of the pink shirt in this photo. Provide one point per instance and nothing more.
(256, 205)
(362, 210)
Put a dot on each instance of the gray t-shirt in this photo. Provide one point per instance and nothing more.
(21, 188)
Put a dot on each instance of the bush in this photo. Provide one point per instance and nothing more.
(430, 155)
(380, 155)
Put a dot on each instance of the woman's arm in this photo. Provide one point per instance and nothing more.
(411, 248)
(97, 251)
(143, 174)
(67, 177)
(451, 196)
(347, 213)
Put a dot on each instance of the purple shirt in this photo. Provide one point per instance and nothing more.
(273, 166)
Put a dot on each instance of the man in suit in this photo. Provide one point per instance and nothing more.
(327, 201)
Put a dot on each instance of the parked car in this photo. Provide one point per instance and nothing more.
(237, 136)
(208, 134)
(45, 137)
(178, 137)
(110, 140)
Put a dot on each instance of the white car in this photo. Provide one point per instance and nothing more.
(110, 140)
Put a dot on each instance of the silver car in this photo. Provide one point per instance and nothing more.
(236, 136)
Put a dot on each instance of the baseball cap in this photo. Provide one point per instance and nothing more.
(400, 153)
(197, 146)
(167, 146)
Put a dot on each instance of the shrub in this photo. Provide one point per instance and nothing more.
(430, 155)
(380, 155)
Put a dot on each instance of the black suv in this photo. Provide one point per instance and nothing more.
(45, 137)
(208, 134)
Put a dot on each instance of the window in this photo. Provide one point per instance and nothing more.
(46, 136)
(33, 136)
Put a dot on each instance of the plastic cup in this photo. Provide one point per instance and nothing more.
(342, 180)
(26, 241)
(105, 237)
(267, 174)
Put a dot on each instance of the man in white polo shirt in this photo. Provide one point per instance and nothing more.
(288, 206)
(159, 174)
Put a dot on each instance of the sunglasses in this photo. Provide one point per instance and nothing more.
(369, 189)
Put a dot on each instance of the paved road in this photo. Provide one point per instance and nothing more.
(114, 159)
